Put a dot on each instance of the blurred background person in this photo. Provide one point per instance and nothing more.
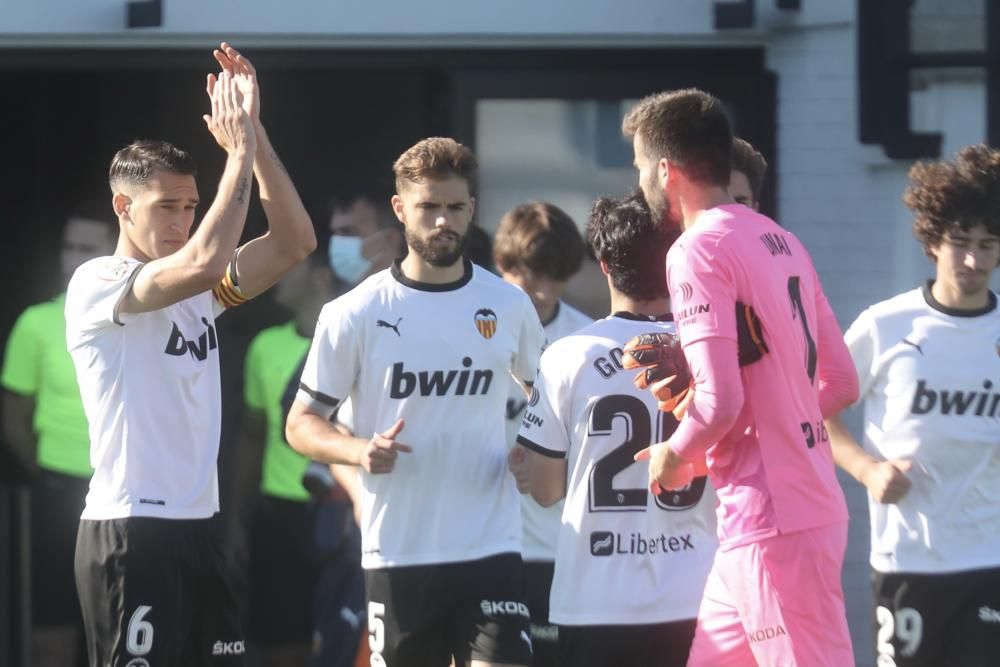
(44, 424)
(364, 236)
(747, 175)
(538, 248)
(272, 522)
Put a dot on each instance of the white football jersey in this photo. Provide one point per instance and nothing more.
(540, 525)
(437, 356)
(624, 557)
(150, 389)
(930, 383)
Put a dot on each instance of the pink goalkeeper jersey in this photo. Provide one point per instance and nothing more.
(774, 469)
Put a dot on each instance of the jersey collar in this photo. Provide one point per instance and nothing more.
(397, 272)
(990, 306)
(626, 315)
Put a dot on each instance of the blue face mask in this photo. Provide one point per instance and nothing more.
(346, 258)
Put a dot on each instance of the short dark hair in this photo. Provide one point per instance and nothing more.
(632, 245)
(134, 164)
(435, 158)
(748, 160)
(540, 237)
(956, 194)
(689, 128)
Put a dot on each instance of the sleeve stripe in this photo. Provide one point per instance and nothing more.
(538, 449)
(320, 396)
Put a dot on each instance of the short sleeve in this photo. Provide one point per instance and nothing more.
(544, 426)
(861, 341)
(530, 344)
(345, 414)
(22, 360)
(253, 391)
(333, 362)
(702, 292)
(96, 292)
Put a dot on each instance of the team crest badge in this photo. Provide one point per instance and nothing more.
(486, 322)
(113, 269)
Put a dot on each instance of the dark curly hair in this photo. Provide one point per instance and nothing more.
(632, 245)
(956, 194)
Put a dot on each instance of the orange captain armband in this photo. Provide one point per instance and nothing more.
(228, 291)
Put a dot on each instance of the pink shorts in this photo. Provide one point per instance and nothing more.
(776, 603)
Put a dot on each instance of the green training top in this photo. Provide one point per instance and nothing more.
(273, 356)
(37, 364)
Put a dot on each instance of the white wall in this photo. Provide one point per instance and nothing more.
(335, 20)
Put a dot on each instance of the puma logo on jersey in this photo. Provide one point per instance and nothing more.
(912, 344)
(526, 638)
(178, 345)
(394, 327)
(955, 401)
(440, 383)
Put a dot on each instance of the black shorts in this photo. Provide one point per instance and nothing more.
(56, 503)
(660, 644)
(283, 572)
(154, 593)
(422, 615)
(544, 635)
(938, 620)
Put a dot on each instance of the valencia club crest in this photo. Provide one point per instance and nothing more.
(486, 322)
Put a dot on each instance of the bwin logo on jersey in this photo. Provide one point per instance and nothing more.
(178, 345)
(955, 401)
(440, 383)
(486, 322)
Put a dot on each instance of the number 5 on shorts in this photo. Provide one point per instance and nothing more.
(376, 633)
(906, 625)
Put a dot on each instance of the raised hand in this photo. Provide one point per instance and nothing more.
(232, 61)
(378, 456)
(229, 123)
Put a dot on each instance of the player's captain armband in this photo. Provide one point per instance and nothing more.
(228, 291)
(664, 369)
(749, 335)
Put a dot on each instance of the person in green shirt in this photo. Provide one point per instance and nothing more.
(273, 527)
(44, 425)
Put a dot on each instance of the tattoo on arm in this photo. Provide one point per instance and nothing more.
(277, 160)
(242, 193)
